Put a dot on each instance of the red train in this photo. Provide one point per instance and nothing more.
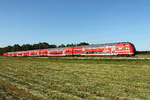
(114, 49)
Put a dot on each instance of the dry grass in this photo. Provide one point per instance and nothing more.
(74, 79)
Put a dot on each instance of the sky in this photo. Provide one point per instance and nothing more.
(73, 21)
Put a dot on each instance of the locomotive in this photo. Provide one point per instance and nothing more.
(109, 49)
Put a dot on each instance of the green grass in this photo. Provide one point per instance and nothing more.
(74, 79)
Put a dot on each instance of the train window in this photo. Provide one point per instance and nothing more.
(100, 52)
(87, 52)
(106, 51)
(68, 50)
(77, 50)
(83, 52)
(119, 48)
(56, 53)
(91, 52)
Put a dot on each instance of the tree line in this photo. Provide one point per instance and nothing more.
(42, 45)
(143, 52)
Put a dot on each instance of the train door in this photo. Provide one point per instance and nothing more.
(107, 50)
(113, 50)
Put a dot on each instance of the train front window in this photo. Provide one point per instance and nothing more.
(126, 48)
(119, 48)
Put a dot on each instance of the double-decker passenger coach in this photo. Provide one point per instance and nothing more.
(108, 49)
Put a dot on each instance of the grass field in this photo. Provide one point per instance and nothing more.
(74, 79)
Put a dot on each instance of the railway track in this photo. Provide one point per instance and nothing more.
(140, 58)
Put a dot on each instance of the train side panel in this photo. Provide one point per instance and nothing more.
(97, 50)
(56, 52)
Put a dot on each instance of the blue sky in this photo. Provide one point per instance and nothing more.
(74, 21)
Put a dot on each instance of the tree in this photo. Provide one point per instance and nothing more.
(52, 46)
(83, 43)
(16, 47)
(26, 47)
(62, 45)
(43, 45)
(70, 45)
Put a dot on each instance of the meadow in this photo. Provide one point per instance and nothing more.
(25, 78)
